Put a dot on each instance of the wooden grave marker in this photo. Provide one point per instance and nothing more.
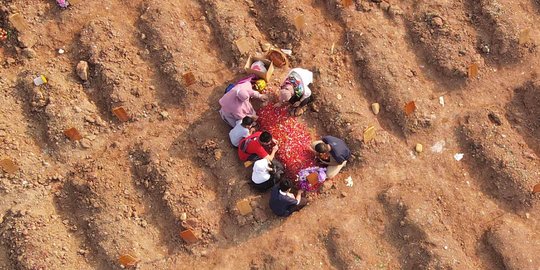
(121, 114)
(128, 261)
(244, 207)
(189, 78)
(8, 166)
(188, 236)
(73, 134)
(409, 108)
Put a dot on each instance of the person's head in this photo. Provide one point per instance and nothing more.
(285, 185)
(247, 122)
(285, 93)
(322, 148)
(242, 94)
(265, 137)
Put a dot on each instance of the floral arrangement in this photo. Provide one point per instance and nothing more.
(303, 182)
(62, 3)
(293, 137)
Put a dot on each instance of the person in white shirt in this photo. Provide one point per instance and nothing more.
(242, 129)
(266, 173)
(295, 90)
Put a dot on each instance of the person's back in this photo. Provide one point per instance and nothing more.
(240, 130)
(340, 152)
(282, 202)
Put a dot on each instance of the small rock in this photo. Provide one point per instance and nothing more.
(164, 114)
(485, 49)
(419, 148)
(183, 216)
(344, 194)
(384, 6)
(339, 97)
(260, 215)
(437, 21)
(375, 107)
(85, 143)
(29, 53)
(82, 70)
(395, 11)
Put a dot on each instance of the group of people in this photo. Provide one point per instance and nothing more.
(238, 112)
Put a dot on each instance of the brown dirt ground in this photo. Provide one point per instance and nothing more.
(130, 188)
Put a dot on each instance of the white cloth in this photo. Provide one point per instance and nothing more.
(307, 77)
(261, 171)
(238, 133)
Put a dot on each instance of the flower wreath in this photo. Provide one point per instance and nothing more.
(303, 182)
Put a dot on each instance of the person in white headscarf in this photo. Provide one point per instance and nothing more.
(295, 90)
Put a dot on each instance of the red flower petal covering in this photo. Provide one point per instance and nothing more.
(293, 137)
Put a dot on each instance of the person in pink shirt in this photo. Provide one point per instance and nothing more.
(235, 104)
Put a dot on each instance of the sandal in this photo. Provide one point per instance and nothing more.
(299, 111)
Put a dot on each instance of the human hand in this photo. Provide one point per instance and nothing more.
(264, 98)
(296, 104)
(275, 148)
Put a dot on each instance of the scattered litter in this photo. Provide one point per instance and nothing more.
(8, 166)
(40, 80)
(121, 114)
(62, 3)
(369, 134)
(347, 3)
(73, 134)
(244, 207)
(189, 78)
(61, 51)
(458, 156)
(188, 236)
(128, 261)
(441, 100)
(332, 48)
(409, 108)
(349, 181)
(287, 52)
(536, 189)
(438, 147)
(419, 148)
(82, 70)
(375, 107)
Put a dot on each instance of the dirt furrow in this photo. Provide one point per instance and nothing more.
(419, 231)
(181, 196)
(191, 67)
(392, 79)
(515, 243)
(444, 32)
(317, 40)
(235, 28)
(36, 238)
(52, 114)
(504, 27)
(524, 114)
(508, 174)
(117, 76)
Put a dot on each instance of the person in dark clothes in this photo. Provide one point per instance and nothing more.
(338, 150)
(266, 173)
(282, 202)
